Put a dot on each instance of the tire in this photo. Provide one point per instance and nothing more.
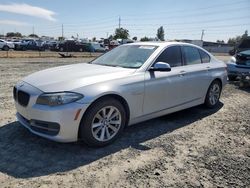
(213, 94)
(6, 48)
(97, 131)
(61, 49)
(232, 78)
(80, 50)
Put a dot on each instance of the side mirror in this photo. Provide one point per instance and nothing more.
(161, 66)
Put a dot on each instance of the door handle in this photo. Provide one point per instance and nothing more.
(208, 68)
(182, 73)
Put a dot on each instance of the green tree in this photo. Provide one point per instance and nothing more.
(134, 38)
(33, 36)
(144, 39)
(233, 41)
(61, 38)
(13, 34)
(111, 37)
(220, 41)
(121, 33)
(245, 35)
(160, 33)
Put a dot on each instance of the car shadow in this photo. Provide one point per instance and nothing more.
(245, 88)
(25, 155)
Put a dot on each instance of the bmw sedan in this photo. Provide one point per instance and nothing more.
(93, 102)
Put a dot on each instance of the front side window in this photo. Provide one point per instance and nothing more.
(128, 56)
(172, 56)
(192, 55)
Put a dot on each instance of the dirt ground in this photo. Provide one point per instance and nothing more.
(197, 147)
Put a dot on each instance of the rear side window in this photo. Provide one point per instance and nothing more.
(192, 55)
(172, 56)
(204, 57)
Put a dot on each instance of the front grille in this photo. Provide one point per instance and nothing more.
(23, 98)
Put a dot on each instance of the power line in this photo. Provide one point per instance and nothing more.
(195, 9)
(187, 14)
(192, 22)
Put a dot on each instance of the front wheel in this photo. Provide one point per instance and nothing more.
(213, 94)
(103, 122)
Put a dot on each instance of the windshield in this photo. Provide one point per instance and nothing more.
(131, 56)
(243, 58)
(246, 52)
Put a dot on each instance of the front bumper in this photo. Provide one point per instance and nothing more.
(236, 70)
(55, 123)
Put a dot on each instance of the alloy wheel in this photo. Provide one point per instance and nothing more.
(106, 123)
(214, 94)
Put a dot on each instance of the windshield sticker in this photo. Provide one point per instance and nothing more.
(147, 47)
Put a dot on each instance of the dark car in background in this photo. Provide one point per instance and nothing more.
(239, 65)
(30, 44)
(73, 46)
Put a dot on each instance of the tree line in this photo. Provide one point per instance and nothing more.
(122, 33)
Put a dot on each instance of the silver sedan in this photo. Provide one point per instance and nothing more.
(132, 83)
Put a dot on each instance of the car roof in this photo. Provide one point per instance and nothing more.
(161, 44)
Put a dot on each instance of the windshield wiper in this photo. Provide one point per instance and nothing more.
(108, 65)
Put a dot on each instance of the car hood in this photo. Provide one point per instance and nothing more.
(70, 77)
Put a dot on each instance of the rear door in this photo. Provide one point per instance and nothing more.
(197, 77)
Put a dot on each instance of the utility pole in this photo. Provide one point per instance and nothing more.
(62, 32)
(119, 22)
(202, 34)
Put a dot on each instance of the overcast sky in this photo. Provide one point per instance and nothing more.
(181, 19)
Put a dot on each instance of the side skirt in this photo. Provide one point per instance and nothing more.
(169, 110)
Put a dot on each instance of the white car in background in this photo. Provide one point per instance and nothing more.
(132, 83)
(97, 47)
(6, 45)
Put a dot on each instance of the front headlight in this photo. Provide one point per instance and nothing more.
(55, 99)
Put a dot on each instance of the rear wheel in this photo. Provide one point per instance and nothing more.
(103, 122)
(6, 48)
(61, 49)
(213, 94)
(80, 50)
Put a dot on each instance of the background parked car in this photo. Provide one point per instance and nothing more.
(50, 45)
(73, 46)
(6, 45)
(238, 65)
(97, 47)
(30, 44)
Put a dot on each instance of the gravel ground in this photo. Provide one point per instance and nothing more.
(196, 147)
